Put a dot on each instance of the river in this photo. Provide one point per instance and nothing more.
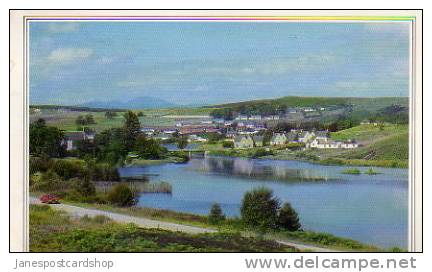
(369, 208)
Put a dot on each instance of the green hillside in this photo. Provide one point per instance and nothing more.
(298, 101)
(389, 148)
(385, 146)
(379, 142)
(369, 133)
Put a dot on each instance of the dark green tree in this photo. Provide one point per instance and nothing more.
(110, 146)
(288, 218)
(228, 144)
(89, 119)
(110, 114)
(260, 209)
(225, 113)
(45, 140)
(182, 142)
(80, 121)
(132, 129)
(216, 215)
(85, 147)
(267, 137)
(149, 148)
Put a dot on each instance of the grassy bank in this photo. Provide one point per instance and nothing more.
(312, 156)
(54, 231)
(144, 162)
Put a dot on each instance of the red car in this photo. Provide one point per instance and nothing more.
(50, 199)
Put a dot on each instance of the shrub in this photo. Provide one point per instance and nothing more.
(216, 215)
(86, 188)
(69, 168)
(260, 209)
(307, 156)
(333, 161)
(48, 182)
(103, 171)
(228, 144)
(261, 152)
(121, 195)
(288, 218)
(35, 178)
(39, 164)
(295, 146)
(351, 171)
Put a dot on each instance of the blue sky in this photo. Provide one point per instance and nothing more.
(214, 62)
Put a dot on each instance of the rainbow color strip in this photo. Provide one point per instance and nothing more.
(230, 18)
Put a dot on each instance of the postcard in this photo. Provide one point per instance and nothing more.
(216, 131)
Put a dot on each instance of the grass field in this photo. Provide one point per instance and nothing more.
(65, 120)
(388, 143)
(369, 133)
(359, 103)
(54, 231)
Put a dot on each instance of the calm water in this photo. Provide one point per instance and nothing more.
(371, 209)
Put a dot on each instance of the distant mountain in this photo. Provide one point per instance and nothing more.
(145, 102)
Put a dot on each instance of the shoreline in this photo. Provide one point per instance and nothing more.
(328, 161)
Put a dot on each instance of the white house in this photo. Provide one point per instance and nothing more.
(245, 141)
(278, 139)
(319, 143)
(349, 144)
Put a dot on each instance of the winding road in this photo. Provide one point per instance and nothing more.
(75, 211)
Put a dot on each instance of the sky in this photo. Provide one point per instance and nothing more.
(194, 63)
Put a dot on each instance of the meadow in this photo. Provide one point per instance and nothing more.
(55, 231)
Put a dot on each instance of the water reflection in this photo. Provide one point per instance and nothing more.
(252, 169)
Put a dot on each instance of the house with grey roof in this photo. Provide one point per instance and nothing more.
(71, 138)
(278, 139)
(305, 136)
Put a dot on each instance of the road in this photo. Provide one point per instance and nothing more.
(75, 211)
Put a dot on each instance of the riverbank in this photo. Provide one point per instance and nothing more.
(144, 162)
(311, 156)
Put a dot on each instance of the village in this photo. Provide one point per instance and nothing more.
(243, 132)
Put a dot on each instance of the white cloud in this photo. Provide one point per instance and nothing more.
(62, 27)
(69, 55)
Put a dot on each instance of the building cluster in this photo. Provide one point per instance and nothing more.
(309, 139)
(245, 131)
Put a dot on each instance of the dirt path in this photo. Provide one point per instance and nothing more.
(75, 211)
